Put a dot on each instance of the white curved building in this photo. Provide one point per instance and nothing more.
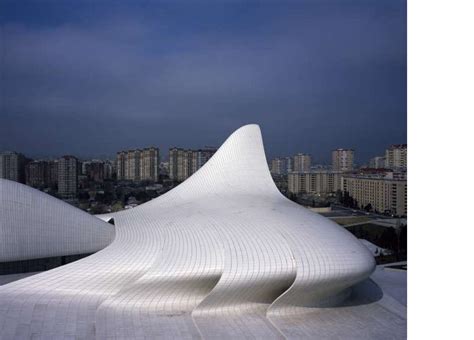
(36, 225)
(224, 254)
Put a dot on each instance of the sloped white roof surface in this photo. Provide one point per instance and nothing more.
(36, 225)
(224, 254)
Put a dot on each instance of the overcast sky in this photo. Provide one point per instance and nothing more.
(91, 79)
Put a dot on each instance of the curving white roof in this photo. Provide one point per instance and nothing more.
(36, 225)
(223, 254)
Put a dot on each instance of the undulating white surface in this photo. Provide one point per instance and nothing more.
(36, 225)
(222, 255)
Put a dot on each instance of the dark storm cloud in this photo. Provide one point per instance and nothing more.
(314, 76)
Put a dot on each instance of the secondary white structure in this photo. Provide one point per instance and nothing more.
(36, 225)
(224, 254)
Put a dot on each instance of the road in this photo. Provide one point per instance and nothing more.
(341, 211)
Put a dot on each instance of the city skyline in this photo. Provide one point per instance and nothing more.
(139, 172)
(165, 155)
(96, 79)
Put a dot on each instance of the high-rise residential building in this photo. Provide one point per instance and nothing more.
(53, 173)
(314, 182)
(79, 168)
(183, 163)
(132, 165)
(121, 160)
(201, 156)
(396, 156)
(38, 174)
(149, 164)
(278, 166)
(67, 176)
(94, 170)
(342, 159)
(176, 159)
(301, 162)
(377, 162)
(289, 164)
(281, 165)
(109, 169)
(12, 166)
(138, 165)
(187, 164)
(384, 191)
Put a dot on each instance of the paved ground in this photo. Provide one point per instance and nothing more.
(341, 211)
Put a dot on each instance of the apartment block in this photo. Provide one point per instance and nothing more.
(138, 165)
(53, 173)
(132, 165)
(12, 166)
(343, 159)
(396, 156)
(377, 162)
(38, 174)
(201, 156)
(94, 170)
(314, 182)
(149, 164)
(120, 163)
(176, 160)
(276, 166)
(385, 192)
(109, 169)
(184, 162)
(301, 162)
(68, 168)
(281, 165)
